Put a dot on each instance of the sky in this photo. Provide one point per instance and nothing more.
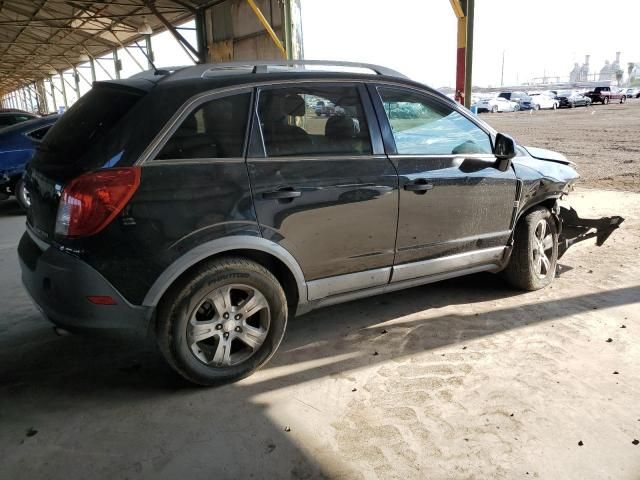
(418, 37)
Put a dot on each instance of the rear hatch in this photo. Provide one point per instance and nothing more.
(78, 143)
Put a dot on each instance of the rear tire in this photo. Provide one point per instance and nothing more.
(533, 261)
(623, 99)
(222, 322)
(22, 195)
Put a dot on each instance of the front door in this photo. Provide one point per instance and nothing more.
(323, 187)
(453, 200)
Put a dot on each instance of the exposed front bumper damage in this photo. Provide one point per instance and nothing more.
(575, 229)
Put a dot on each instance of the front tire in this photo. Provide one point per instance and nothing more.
(222, 322)
(534, 258)
(605, 100)
(494, 109)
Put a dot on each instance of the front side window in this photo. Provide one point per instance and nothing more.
(215, 129)
(323, 120)
(422, 126)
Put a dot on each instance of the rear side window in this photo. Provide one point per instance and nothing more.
(422, 126)
(322, 120)
(87, 122)
(39, 133)
(215, 129)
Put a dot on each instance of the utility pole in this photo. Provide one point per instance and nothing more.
(502, 74)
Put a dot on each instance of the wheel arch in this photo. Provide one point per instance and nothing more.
(268, 254)
(549, 202)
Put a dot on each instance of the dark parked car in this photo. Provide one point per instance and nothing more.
(10, 117)
(572, 99)
(605, 95)
(17, 146)
(515, 96)
(206, 206)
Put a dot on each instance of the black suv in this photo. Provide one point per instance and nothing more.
(208, 204)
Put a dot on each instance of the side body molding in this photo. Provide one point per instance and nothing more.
(221, 245)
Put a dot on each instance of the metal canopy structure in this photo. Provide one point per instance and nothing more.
(39, 38)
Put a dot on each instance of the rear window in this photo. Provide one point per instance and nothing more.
(87, 123)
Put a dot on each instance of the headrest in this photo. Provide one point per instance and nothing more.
(188, 125)
(340, 126)
(293, 105)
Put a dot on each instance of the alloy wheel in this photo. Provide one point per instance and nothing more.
(542, 249)
(228, 325)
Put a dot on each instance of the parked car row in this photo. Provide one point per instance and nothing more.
(553, 99)
(20, 133)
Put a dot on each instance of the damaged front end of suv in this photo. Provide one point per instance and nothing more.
(547, 174)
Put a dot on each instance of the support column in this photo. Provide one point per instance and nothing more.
(461, 58)
(53, 94)
(286, 23)
(201, 36)
(116, 63)
(149, 47)
(76, 81)
(64, 91)
(468, 77)
(92, 65)
(24, 99)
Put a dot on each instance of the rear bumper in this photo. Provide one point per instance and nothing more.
(60, 283)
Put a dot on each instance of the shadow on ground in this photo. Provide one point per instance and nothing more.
(87, 396)
(10, 208)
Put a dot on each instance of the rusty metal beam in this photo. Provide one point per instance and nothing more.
(267, 26)
(176, 34)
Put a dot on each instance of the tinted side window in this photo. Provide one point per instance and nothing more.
(39, 133)
(215, 129)
(422, 126)
(323, 120)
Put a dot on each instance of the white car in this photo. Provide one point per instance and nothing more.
(633, 93)
(541, 100)
(497, 104)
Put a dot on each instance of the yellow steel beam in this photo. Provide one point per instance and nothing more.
(267, 27)
(457, 8)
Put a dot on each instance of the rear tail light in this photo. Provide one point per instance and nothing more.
(91, 201)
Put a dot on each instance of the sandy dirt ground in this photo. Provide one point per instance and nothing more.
(464, 379)
(603, 140)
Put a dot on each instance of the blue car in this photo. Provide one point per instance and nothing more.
(17, 146)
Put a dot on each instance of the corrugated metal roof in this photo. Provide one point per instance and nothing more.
(40, 36)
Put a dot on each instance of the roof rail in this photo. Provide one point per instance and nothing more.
(262, 66)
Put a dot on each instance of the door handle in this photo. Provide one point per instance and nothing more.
(420, 186)
(286, 193)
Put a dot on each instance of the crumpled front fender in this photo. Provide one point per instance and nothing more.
(575, 229)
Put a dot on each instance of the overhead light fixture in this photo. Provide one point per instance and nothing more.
(83, 57)
(145, 28)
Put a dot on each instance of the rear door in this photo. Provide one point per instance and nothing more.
(322, 185)
(452, 198)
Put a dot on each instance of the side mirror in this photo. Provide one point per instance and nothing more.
(504, 151)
